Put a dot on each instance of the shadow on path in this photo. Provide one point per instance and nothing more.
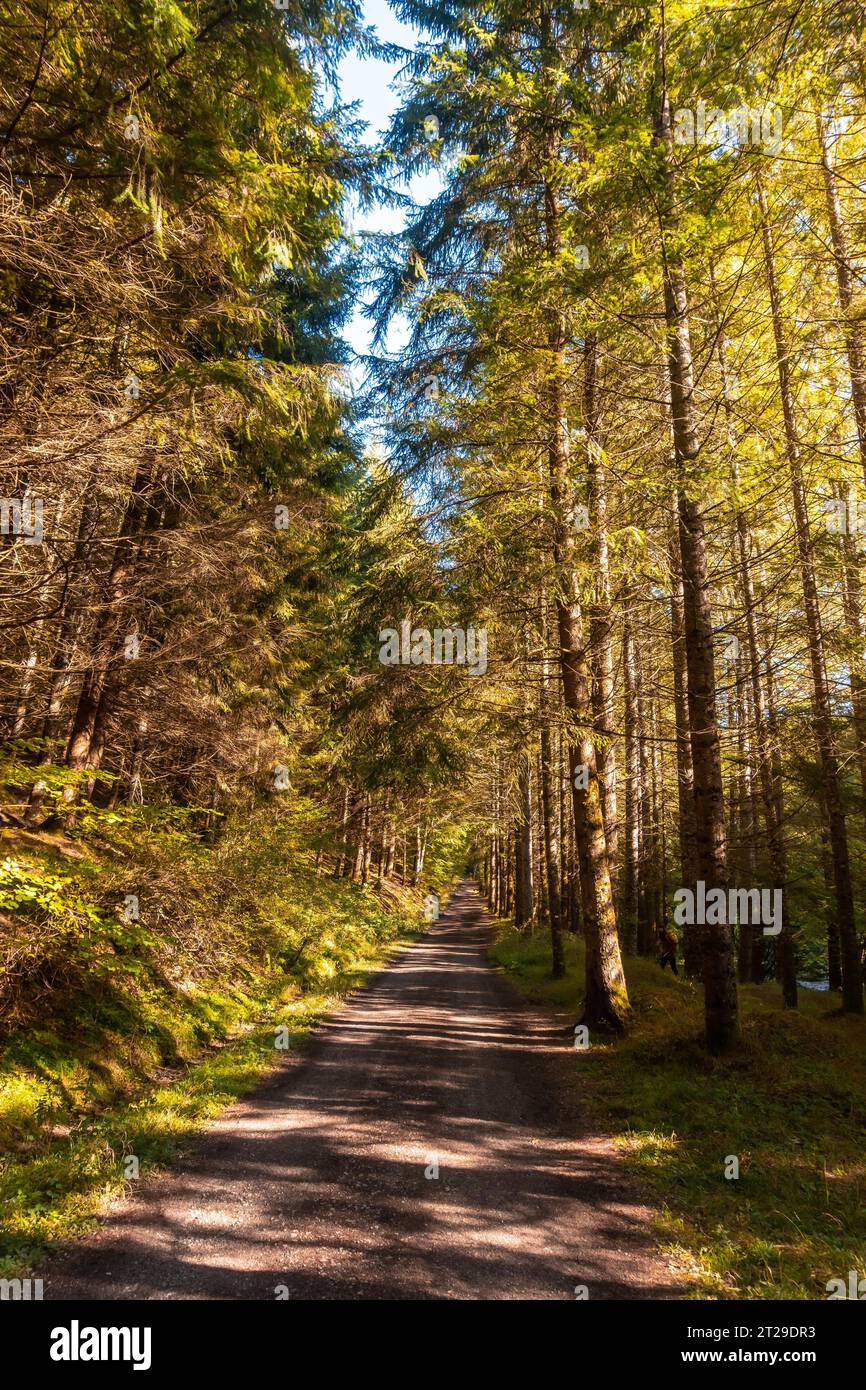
(323, 1179)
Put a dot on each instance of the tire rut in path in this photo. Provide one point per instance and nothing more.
(316, 1181)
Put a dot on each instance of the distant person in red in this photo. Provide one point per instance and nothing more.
(668, 946)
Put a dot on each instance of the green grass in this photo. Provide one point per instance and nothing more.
(123, 1039)
(55, 1184)
(790, 1104)
(120, 1039)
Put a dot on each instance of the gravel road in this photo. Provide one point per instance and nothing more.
(428, 1144)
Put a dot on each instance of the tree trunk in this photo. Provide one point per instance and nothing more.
(851, 325)
(85, 736)
(852, 604)
(631, 861)
(720, 980)
(771, 787)
(852, 983)
(692, 955)
(600, 615)
(523, 907)
(606, 995)
(550, 824)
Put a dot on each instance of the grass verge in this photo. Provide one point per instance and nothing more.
(789, 1105)
(123, 1056)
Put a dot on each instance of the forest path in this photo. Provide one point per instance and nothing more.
(316, 1181)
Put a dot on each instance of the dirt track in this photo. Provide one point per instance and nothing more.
(317, 1180)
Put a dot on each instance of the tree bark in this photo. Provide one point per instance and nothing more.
(600, 614)
(771, 788)
(852, 983)
(851, 326)
(631, 861)
(720, 981)
(606, 995)
(523, 907)
(550, 825)
(692, 955)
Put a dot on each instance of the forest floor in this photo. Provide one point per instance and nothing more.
(789, 1105)
(427, 1144)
